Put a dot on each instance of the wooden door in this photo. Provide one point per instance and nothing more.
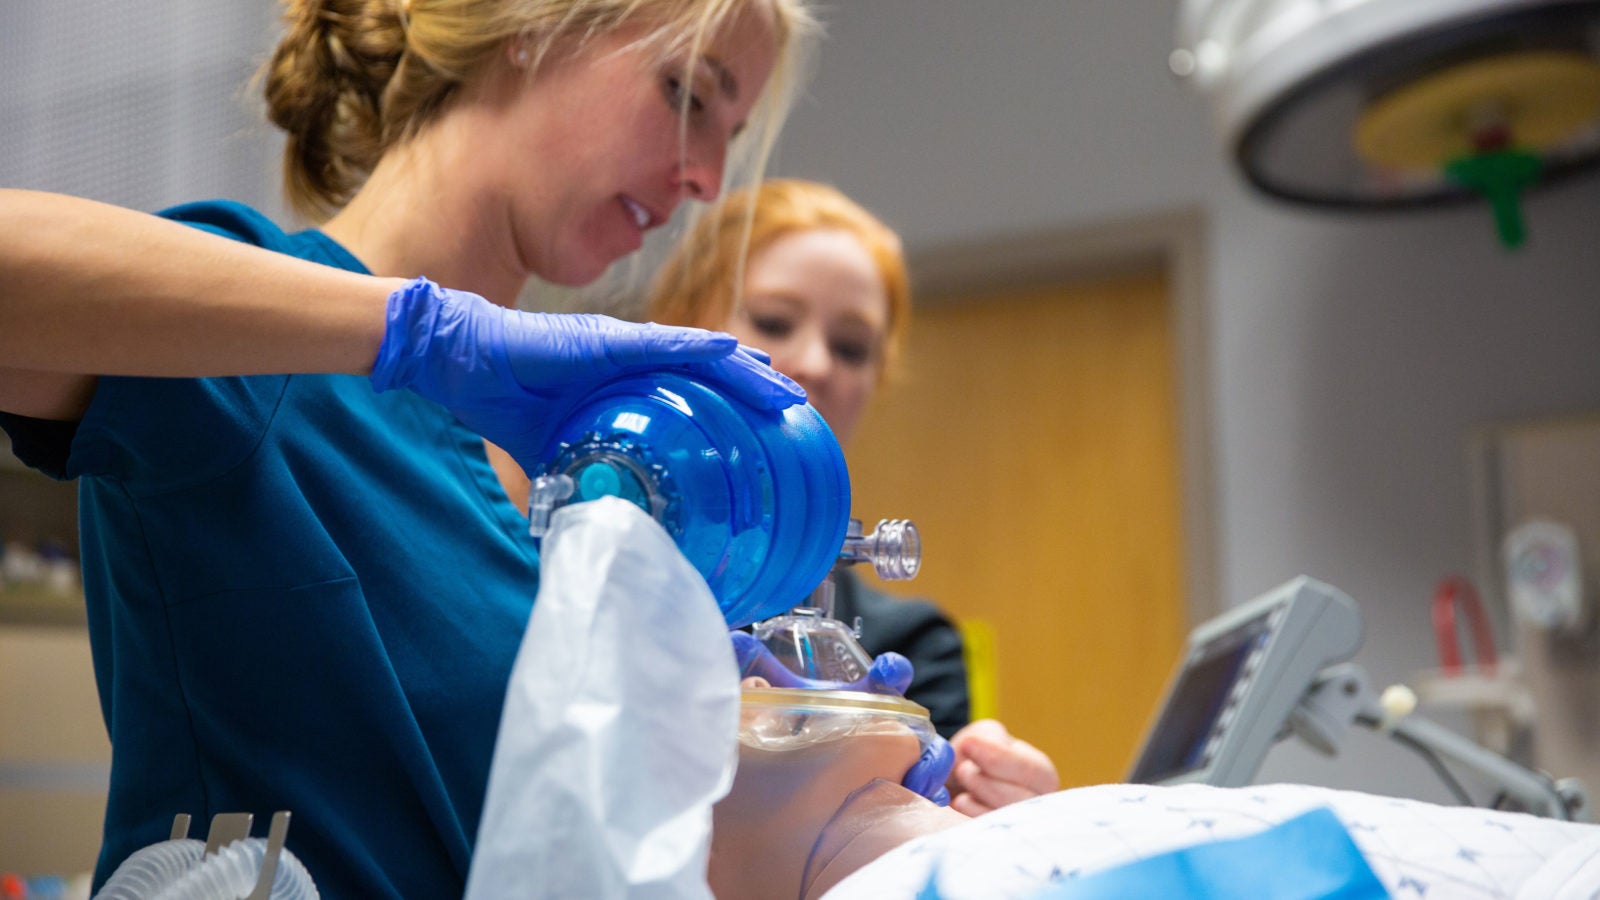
(1033, 437)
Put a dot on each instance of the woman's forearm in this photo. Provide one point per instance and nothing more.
(90, 288)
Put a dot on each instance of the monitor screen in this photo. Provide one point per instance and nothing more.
(1178, 743)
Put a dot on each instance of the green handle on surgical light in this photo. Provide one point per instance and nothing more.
(1500, 177)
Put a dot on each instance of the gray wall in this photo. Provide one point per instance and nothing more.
(962, 119)
(142, 104)
(1349, 356)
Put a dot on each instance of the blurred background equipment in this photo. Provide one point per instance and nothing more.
(1377, 104)
(1277, 666)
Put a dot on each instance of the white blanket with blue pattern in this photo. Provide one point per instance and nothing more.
(1418, 850)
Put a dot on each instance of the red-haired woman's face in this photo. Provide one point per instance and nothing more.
(816, 301)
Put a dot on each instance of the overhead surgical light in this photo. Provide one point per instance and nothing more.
(1369, 104)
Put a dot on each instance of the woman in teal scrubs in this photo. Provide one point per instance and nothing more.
(306, 586)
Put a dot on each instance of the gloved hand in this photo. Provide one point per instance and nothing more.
(508, 374)
(890, 673)
(927, 776)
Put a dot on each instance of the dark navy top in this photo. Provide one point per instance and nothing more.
(302, 595)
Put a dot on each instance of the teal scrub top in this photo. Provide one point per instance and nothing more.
(302, 595)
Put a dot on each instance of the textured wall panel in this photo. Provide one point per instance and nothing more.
(143, 104)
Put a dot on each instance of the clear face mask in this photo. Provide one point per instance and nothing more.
(781, 719)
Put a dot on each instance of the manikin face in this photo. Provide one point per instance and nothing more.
(597, 151)
(763, 831)
(816, 301)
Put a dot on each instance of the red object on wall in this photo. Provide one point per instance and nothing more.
(1455, 593)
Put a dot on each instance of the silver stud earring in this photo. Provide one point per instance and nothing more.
(522, 57)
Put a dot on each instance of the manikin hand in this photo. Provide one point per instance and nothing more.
(890, 673)
(508, 374)
(994, 769)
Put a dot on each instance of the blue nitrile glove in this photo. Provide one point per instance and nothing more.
(890, 673)
(508, 374)
(927, 776)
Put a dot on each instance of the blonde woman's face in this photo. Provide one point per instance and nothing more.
(816, 301)
(599, 151)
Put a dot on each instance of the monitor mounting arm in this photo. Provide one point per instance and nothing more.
(1341, 696)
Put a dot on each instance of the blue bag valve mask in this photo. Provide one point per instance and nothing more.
(758, 500)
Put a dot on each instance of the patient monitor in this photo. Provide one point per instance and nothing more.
(1278, 666)
(1241, 676)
